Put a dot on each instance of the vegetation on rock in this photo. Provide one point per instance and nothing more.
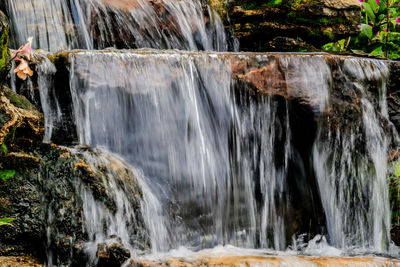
(380, 35)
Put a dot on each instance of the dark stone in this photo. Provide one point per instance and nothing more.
(395, 233)
(286, 44)
(112, 253)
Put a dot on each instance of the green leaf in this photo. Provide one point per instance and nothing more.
(381, 17)
(6, 221)
(3, 150)
(373, 5)
(370, 13)
(394, 56)
(397, 172)
(6, 174)
(394, 37)
(377, 52)
(356, 51)
(366, 30)
(328, 46)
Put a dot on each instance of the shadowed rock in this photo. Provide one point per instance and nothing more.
(304, 25)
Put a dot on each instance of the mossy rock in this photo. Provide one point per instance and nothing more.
(4, 52)
(18, 100)
(45, 198)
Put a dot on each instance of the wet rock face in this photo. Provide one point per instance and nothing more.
(44, 195)
(45, 200)
(304, 25)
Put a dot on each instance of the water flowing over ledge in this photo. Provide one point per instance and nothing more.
(248, 149)
(94, 24)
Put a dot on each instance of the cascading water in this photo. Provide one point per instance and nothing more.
(188, 149)
(353, 185)
(227, 148)
(179, 119)
(86, 24)
(123, 223)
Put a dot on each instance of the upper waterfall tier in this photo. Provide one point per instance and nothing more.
(94, 24)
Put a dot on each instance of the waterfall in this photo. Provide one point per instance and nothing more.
(87, 24)
(49, 103)
(122, 179)
(184, 121)
(176, 124)
(266, 151)
(353, 184)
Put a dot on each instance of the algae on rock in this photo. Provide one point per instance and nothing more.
(4, 53)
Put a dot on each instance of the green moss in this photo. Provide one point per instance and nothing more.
(320, 21)
(258, 5)
(329, 34)
(3, 48)
(220, 7)
(4, 53)
(18, 100)
(293, 4)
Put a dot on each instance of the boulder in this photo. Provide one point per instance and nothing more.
(112, 253)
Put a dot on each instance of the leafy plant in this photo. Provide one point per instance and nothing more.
(380, 32)
(5, 175)
(6, 221)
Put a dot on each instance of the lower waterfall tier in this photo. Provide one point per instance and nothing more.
(199, 149)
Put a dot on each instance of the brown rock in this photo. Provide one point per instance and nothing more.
(112, 253)
(342, 4)
(23, 261)
(19, 114)
(237, 261)
(123, 5)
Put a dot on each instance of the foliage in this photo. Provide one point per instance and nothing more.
(5, 175)
(380, 32)
(6, 221)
